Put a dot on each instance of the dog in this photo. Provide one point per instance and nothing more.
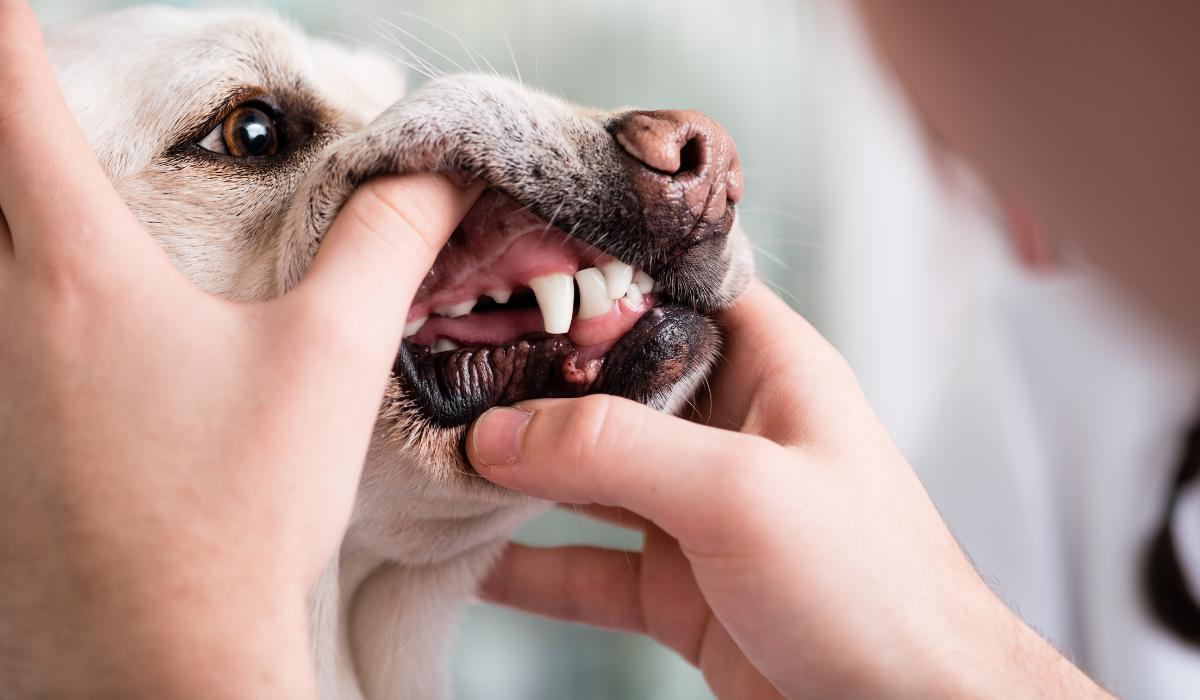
(235, 139)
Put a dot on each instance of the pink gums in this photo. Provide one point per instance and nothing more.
(501, 246)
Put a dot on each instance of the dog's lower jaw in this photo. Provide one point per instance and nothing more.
(383, 629)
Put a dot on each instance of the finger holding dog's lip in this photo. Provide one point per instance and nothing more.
(379, 248)
(614, 452)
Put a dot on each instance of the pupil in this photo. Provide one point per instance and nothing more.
(254, 136)
(254, 132)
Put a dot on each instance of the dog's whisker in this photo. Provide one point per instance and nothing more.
(383, 30)
(424, 43)
(471, 51)
(402, 61)
(430, 69)
(791, 240)
(749, 208)
(782, 291)
(786, 265)
(513, 56)
(375, 47)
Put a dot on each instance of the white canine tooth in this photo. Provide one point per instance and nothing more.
(617, 276)
(555, 294)
(633, 297)
(444, 344)
(413, 326)
(456, 310)
(644, 282)
(593, 293)
(500, 296)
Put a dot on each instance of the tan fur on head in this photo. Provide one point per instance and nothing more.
(146, 85)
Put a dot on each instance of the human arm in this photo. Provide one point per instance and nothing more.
(789, 547)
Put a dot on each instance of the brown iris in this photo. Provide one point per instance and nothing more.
(250, 131)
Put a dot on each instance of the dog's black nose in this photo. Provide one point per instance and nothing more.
(686, 158)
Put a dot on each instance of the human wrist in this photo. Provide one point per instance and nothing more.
(998, 654)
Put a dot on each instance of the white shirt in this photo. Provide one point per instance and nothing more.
(1043, 415)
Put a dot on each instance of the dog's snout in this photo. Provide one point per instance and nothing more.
(683, 158)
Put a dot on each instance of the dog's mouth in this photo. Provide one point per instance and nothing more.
(515, 309)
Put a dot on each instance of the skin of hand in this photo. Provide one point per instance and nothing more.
(790, 550)
(175, 469)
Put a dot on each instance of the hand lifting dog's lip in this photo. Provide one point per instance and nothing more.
(592, 263)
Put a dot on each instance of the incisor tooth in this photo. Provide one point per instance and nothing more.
(456, 310)
(555, 294)
(413, 326)
(593, 294)
(500, 296)
(444, 344)
(644, 282)
(617, 276)
(633, 296)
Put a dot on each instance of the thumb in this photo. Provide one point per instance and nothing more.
(614, 452)
(380, 247)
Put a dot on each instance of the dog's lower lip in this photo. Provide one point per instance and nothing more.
(453, 388)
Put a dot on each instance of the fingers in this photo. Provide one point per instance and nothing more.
(652, 593)
(614, 452)
(53, 192)
(597, 587)
(378, 250)
(779, 378)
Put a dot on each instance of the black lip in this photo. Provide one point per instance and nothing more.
(454, 388)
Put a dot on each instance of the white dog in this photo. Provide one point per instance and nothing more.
(235, 139)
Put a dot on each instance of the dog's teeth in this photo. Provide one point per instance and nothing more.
(500, 296)
(617, 276)
(644, 282)
(633, 297)
(456, 310)
(593, 294)
(555, 294)
(444, 345)
(412, 327)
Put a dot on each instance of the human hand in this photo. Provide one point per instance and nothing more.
(789, 549)
(175, 469)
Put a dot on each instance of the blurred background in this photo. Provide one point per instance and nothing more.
(897, 253)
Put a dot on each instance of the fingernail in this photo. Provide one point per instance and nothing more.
(496, 437)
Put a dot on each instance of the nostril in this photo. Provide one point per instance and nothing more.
(681, 157)
(691, 156)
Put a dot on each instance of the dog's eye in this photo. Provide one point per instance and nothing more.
(247, 131)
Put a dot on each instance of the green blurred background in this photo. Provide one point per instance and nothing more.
(752, 65)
